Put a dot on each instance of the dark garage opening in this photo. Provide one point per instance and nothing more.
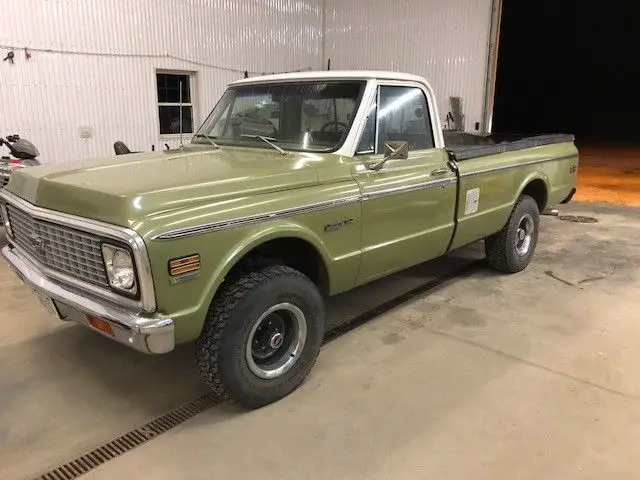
(569, 66)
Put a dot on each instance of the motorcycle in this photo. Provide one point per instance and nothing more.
(24, 155)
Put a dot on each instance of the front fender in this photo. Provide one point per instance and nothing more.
(258, 236)
(188, 302)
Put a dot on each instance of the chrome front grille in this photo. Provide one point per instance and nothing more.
(59, 248)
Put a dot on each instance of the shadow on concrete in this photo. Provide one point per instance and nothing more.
(342, 308)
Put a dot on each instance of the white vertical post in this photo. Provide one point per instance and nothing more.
(181, 145)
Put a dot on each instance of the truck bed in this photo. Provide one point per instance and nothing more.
(467, 145)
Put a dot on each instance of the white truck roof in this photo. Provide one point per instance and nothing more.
(333, 75)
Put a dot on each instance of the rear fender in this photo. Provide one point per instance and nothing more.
(528, 180)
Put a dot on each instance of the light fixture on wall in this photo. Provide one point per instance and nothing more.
(85, 131)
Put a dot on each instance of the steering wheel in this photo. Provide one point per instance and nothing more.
(238, 120)
(336, 123)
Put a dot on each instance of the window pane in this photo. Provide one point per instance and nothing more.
(327, 114)
(255, 113)
(307, 116)
(169, 88)
(404, 116)
(170, 119)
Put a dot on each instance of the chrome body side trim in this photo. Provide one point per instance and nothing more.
(409, 189)
(248, 220)
(314, 207)
(151, 333)
(510, 167)
(131, 238)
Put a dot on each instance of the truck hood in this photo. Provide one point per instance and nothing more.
(124, 189)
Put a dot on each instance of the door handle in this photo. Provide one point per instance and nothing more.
(439, 171)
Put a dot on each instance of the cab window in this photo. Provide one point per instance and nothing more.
(403, 115)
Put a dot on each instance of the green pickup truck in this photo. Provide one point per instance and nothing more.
(295, 187)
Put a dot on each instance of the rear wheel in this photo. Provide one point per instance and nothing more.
(512, 248)
(262, 336)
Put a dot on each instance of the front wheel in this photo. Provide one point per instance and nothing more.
(512, 248)
(262, 336)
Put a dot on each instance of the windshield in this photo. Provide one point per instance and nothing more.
(309, 116)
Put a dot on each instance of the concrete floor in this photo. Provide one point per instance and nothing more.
(499, 377)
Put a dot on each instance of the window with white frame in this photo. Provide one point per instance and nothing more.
(168, 89)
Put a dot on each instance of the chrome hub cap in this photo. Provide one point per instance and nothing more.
(276, 341)
(524, 235)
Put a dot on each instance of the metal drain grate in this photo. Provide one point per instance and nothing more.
(138, 436)
(130, 440)
(578, 219)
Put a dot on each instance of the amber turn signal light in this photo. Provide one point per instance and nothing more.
(180, 266)
(100, 324)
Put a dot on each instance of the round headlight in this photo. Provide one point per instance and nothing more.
(119, 267)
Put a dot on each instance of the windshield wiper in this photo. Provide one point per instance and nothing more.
(267, 140)
(215, 145)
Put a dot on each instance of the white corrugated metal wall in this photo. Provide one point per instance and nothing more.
(93, 62)
(105, 79)
(443, 40)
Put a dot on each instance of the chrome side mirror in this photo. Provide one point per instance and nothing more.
(398, 150)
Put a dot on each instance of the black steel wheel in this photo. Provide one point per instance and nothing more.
(262, 336)
(512, 248)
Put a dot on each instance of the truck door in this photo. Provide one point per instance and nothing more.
(408, 200)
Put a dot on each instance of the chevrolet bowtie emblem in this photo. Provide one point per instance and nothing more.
(38, 242)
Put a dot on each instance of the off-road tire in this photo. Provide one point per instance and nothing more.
(500, 248)
(221, 347)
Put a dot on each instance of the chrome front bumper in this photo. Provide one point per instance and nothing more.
(146, 333)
